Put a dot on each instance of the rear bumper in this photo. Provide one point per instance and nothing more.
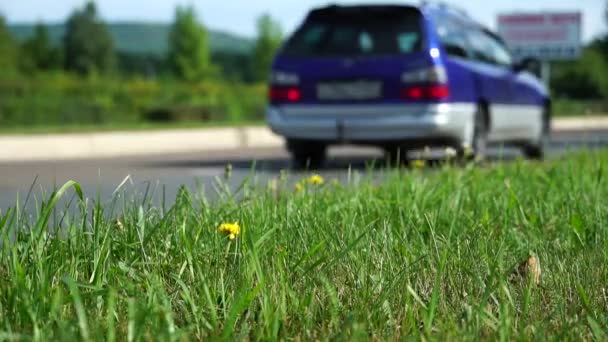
(374, 123)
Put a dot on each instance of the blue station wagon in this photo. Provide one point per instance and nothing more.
(402, 78)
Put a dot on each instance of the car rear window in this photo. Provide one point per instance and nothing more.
(356, 32)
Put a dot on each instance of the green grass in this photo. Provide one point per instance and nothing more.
(427, 254)
(573, 108)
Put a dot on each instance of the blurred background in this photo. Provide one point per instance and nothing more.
(72, 65)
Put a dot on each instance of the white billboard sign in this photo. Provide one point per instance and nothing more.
(546, 35)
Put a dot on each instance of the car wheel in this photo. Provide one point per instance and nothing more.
(307, 154)
(396, 155)
(537, 149)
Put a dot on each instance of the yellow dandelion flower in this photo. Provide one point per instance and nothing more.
(117, 223)
(316, 180)
(231, 229)
(418, 163)
(298, 187)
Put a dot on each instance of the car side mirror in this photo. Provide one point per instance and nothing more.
(531, 65)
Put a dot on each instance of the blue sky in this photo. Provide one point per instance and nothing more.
(239, 16)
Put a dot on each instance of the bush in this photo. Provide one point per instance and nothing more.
(586, 78)
(61, 99)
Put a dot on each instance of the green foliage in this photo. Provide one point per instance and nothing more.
(234, 67)
(600, 45)
(59, 99)
(585, 78)
(138, 38)
(189, 54)
(269, 38)
(417, 255)
(146, 65)
(142, 49)
(8, 49)
(37, 53)
(88, 45)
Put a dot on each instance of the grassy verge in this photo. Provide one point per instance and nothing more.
(423, 254)
(573, 108)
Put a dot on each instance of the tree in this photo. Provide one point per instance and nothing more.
(269, 38)
(189, 55)
(88, 46)
(8, 49)
(585, 78)
(37, 53)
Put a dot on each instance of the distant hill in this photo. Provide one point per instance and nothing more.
(144, 38)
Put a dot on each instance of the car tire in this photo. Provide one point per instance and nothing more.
(536, 150)
(307, 155)
(479, 142)
(396, 155)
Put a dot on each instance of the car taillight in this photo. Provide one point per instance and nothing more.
(426, 92)
(438, 91)
(413, 93)
(284, 94)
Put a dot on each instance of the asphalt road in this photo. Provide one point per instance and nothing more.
(161, 176)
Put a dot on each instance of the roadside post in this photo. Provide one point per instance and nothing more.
(545, 36)
(545, 71)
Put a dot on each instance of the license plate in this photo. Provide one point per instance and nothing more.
(357, 90)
